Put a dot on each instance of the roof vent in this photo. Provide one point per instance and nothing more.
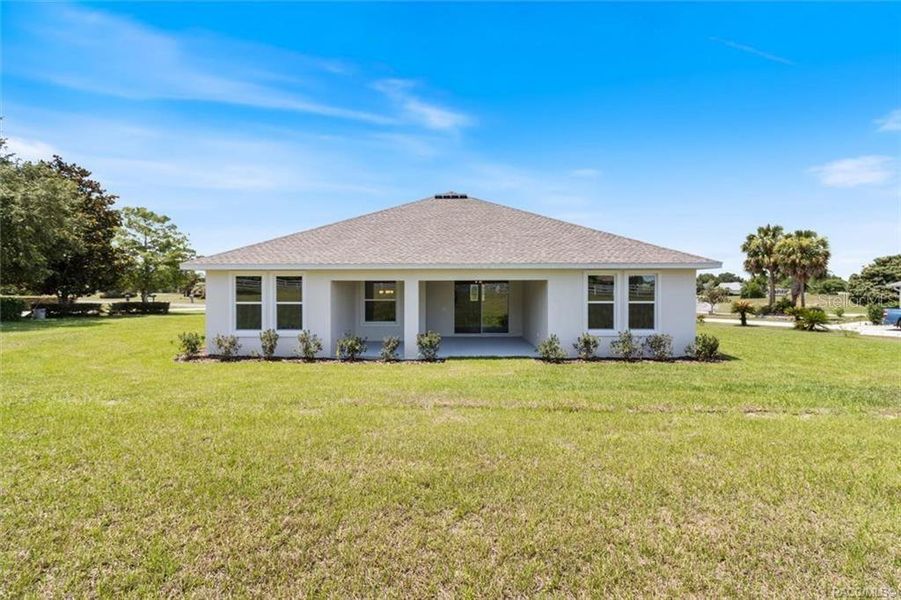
(450, 196)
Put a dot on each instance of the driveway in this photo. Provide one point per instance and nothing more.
(864, 328)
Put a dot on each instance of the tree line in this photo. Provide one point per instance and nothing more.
(61, 234)
(799, 260)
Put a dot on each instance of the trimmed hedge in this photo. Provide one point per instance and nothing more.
(11, 309)
(138, 308)
(76, 309)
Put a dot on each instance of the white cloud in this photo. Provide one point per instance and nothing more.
(28, 149)
(101, 53)
(419, 111)
(752, 50)
(853, 172)
(891, 121)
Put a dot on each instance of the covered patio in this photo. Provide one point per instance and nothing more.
(475, 315)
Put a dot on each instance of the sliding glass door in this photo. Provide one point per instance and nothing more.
(481, 307)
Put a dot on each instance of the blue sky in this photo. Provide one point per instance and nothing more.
(685, 125)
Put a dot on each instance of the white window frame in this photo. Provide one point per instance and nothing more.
(273, 284)
(617, 287)
(655, 302)
(397, 292)
(233, 305)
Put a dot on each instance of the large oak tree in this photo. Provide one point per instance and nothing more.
(38, 217)
(93, 263)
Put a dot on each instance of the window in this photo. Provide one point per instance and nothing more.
(600, 301)
(642, 295)
(380, 301)
(288, 302)
(249, 302)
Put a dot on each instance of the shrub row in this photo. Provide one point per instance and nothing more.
(351, 347)
(138, 308)
(629, 347)
(309, 345)
(11, 308)
(75, 309)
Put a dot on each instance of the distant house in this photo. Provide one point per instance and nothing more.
(733, 287)
(491, 279)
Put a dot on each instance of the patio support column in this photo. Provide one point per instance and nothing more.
(411, 317)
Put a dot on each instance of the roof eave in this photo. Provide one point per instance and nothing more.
(199, 265)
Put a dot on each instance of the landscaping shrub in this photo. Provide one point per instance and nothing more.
(428, 343)
(794, 311)
(586, 346)
(743, 308)
(227, 346)
(764, 310)
(308, 345)
(268, 343)
(874, 314)
(550, 350)
(626, 346)
(138, 308)
(839, 312)
(74, 309)
(811, 319)
(753, 289)
(782, 305)
(11, 309)
(351, 347)
(705, 347)
(659, 346)
(189, 344)
(390, 344)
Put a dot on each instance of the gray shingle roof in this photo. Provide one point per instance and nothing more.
(450, 230)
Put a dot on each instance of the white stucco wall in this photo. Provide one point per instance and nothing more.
(534, 309)
(218, 316)
(542, 302)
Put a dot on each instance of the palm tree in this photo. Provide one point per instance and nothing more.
(803, 255)
(760, 249)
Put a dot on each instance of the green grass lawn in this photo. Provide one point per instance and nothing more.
(122, 472)
(828, 302)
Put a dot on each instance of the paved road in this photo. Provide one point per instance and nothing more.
(864, 328)
(187, 307)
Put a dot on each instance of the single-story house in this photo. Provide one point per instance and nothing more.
(491, 279)
(733, 287)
